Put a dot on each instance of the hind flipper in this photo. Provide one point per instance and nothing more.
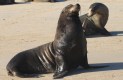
(12, 73)
(28, 75)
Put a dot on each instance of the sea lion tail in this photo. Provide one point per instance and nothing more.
(13, 73)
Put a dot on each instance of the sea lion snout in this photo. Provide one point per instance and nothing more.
(78, 6)
(90, 13)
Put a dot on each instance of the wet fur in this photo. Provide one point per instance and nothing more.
(65, 53)
(95, 23)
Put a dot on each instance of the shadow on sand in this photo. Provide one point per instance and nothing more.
(113, 33)
(111, 66)
(117, 33)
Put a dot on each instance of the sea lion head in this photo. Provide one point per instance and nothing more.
(99, 14)
(71, 10)
(98, 8)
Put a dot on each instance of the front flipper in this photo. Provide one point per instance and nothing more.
(61, 69)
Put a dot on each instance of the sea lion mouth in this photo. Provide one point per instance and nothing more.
(75, 9)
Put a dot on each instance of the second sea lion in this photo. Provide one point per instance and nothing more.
(95, 20)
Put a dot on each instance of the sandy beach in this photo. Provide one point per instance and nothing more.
(25, 26)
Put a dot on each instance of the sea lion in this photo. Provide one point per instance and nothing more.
(48, 0)
(66, 52)
(95, 20)
(18, 1)
(3, 2)
(43, 0)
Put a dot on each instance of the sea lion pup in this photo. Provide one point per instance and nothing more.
(3, 2)
(66, 52)
(95, 20)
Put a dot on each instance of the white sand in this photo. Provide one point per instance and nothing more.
(24, 26)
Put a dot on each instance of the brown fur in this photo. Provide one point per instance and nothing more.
(66, 52)
(95, 20)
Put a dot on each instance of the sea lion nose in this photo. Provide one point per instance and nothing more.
(78, 6)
